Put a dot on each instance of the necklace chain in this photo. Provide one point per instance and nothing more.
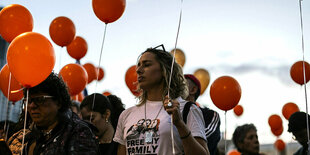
(156, 115)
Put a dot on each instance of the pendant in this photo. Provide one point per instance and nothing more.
(148, 136)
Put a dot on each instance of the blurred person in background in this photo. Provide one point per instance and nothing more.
(75, 107)
(103, 113)
(245, 140)
(297, 125)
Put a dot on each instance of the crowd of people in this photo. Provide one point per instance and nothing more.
(166, 120)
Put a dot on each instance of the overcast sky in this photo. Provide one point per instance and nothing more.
(256, 42)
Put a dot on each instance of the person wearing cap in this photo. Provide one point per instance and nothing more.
(211, 117)
(297, 125)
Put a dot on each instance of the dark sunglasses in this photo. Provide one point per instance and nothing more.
(38, 101)
(162, 46)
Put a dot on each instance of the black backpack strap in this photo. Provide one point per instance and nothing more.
(186, 109)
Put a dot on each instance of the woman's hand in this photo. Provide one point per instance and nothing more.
(173, 109)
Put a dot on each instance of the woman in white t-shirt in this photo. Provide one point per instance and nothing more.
(145, 128)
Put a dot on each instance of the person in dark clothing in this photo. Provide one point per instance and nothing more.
(297, 125)
(103, 113)
(55, 129)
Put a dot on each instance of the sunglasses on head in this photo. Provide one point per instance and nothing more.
(38, 101)
(161, 45)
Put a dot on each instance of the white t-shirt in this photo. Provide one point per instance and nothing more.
(152, 135)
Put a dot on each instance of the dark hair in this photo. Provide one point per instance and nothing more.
(240, 133)
(8, 126)
(4, 148)
(118, 107)
(298, 121)
(53, 85)
(178, 85)
(102, 103)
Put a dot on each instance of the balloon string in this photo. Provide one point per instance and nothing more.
(7, 106)
(175, 46)
(98, 69)
(173, 59)
(172, 135)
(25, 122)
(225, 144)
(303, 65)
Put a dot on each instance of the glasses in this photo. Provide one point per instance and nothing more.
(162, 46)
(38, 101)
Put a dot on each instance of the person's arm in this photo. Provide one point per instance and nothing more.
(121, 150)
(191, 145)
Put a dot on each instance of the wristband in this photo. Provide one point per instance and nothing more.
(184, 137)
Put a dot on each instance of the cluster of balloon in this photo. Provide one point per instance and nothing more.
(179, 56)
(234, 152)
(100, 73)
(275, 123)
(106, 93)
(15, 93)
(279, 144)
(108, 11)
(225, 93)
(131, 79)
(77, 49)
(15, 19)
(31, 58)
(91, 72)
(75, 76)
(297, 72)
(204, 78)
(62, 31)
(288, 109)
(238, 110)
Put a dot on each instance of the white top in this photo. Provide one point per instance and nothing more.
(152, 135)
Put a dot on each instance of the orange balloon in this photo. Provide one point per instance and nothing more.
(75, 76)
(179, 56)
(79, 97)
(131, 79)
(225, 92)
(106, 93)
(15, 19)
(204, 78)
(77, 49)
(277, 132)
(91, 72)
(233, 152)
(101, 74)
(16, 93)
(275, 122)
(108, 11)
(31, 58)
(62, 31)
(238, 110)
(279, 144)
(288, 109)
(297, 74)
